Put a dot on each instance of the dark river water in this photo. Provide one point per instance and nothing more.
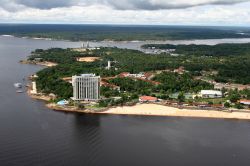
(31, 134)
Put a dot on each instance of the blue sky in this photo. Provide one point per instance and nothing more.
(159, 12)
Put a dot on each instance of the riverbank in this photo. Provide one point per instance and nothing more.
(45, 63)
(159, 110)
(147, 110)
(37, 96)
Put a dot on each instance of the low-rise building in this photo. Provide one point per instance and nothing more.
(180, 70)
(148, 99)
(63, 102)
(104, 83)
(245, 102)
(230, 86)
(211, 94)
(139, 75)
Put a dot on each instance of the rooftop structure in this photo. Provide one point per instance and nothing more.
(180, 70)
(148, 99)
(62, 102)
(231, 86)
(104, 83)
(140, 76)
(211, 94)
(245, 102)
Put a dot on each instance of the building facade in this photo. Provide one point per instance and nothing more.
(211, 94)
(86, 87)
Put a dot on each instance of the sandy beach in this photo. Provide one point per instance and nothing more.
(45, 63)
(87, 59)
(160, 110)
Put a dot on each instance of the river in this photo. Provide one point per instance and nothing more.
(31, 134)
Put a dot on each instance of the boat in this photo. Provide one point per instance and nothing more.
(19, 91)
(18, 85)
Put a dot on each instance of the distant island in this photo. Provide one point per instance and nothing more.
(122, 32)
(184, 77)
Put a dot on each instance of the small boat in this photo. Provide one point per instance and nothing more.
(19, 91)
(18, 85)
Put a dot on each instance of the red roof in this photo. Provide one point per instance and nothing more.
(148, 98)
(106, 84)
(124, 74)
(147, 75)
(245, 100)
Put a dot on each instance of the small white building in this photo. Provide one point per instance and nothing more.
(211, 94)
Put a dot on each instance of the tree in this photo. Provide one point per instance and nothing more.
(181, 97)
(234, 96)
(227, 105)
(164, 97)
(210, 103)
(103, 103)
(81, 106)
(238, 106)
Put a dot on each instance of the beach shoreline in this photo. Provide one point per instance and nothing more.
(147, 109)
(45, 63)
(155, 110)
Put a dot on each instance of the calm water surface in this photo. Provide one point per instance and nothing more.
(30, 134)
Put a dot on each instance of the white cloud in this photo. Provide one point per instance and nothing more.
(117, 4)
(234, 14)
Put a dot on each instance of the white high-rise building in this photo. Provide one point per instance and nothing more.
(86, 87)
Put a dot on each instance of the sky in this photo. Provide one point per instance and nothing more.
(145, 12)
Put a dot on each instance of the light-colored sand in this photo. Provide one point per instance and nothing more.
(88, 59)
(159, 110)
(47, 64)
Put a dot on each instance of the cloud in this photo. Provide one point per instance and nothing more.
(193, 12)
(45, 4)
(163, 4)
(115, 4)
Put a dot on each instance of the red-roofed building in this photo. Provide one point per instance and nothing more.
(180, 70)
(112, 86)
(148, 99)
(124, 74)
(148, 76)
(245, 102)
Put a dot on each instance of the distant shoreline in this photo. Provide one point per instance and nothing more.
(124, 41)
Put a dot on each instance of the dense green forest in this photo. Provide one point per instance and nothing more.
(173, 82)
(232, 61)
(206, 50)
(122, 32)
(229, 68)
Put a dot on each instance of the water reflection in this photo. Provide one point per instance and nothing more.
(87, 136)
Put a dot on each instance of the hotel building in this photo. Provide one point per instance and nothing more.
(86, 87)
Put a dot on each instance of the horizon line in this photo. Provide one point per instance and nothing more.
(123, 24)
